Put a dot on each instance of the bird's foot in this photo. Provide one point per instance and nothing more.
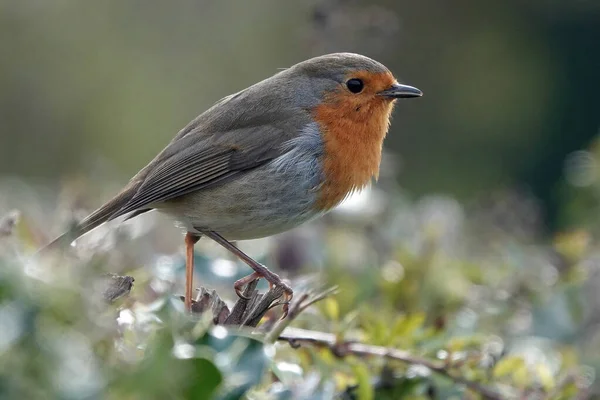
(274, 280)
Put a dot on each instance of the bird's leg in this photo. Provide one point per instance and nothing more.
(260, 271)
(190, 241)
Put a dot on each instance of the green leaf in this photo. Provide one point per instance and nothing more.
(545, 376)
(204, 378)
(521, 376)
(241, 359)
(507, 366)
(332, 308)
(407, 325)
(364, 390)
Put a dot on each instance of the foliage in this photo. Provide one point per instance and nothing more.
(476, 309)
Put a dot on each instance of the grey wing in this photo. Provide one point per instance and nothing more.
(193, 162)
(190, 164)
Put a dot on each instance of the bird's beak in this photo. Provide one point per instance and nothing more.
(398, 91)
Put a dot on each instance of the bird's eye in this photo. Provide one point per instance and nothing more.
(355, 85)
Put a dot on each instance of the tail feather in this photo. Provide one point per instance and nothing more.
(105, 213)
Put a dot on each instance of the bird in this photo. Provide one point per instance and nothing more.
(266, 159)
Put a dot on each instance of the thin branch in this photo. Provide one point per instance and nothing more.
(263, 304)
(297, 337)
(247, 311)
(240, 308)
(209, 300)
(303, 301)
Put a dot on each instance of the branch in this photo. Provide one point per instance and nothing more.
(302, 302)
(297, 337)
(247, 311)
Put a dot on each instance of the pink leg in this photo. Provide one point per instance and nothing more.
(190, 241)
(260, 271)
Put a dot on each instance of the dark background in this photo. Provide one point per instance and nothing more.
(511, 88)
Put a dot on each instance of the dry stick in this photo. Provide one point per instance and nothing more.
(296, 337)
(247, 311)
(256, 312)
(304, 301)
(237, 313)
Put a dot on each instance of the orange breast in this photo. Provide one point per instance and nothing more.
(353, 130)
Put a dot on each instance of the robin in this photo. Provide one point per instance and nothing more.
(266, 159)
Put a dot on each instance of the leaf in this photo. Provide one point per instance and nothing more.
(545, 376)
(204, 377)
(572, 245)
(364, 390)
(569, 391)
(457, 344)
(379, 332)
(241, 359)
(349, 321)
(332, 308)
(521, 376)
(507, 366)
(407, 325)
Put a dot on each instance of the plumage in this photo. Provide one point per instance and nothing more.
(263, 201)
(353, 129)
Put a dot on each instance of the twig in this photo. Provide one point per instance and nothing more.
(263, 304)
(247, 311)
(303, 301)
(210, 300)
(296, 337)
(239, 309)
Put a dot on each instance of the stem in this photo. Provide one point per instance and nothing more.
(297, 337)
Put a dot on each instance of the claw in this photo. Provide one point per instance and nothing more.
(288, 295)
(240, 284)
(285, 309)
(240, 294)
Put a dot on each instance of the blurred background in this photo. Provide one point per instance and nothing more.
(512, 88)
(489, 200)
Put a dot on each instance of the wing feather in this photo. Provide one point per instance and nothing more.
(191, 163)
(188, 174)
(222, 143)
